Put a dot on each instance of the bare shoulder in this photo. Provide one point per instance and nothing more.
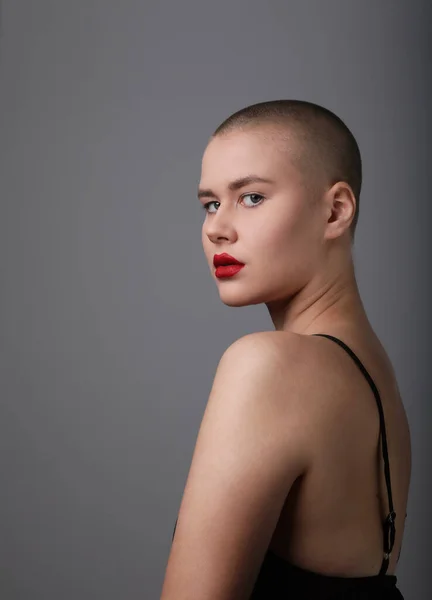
(267, 377)
(307, 377)
(270, 348)
(263, 358)
(296, 354)
(288, 369)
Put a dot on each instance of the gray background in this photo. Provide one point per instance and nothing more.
(111, 327)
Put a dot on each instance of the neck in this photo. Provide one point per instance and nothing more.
(330, 301)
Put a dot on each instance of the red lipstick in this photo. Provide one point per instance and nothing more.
(226, 265)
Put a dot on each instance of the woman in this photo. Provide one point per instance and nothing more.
(299, 480)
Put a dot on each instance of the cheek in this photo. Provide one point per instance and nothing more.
(284, 250)
(206, 244)
(204, 238)
(288, 228)
(276, 238)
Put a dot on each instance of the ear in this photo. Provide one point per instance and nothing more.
(341, 207)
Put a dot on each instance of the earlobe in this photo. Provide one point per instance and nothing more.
(338, 220)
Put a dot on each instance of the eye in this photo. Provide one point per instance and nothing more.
(207, 205)
(256, 199)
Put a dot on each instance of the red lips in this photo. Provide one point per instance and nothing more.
(226, 265)
(223, 260)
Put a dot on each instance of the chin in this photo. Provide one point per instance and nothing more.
(236, 299)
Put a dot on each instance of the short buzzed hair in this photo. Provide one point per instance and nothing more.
(324, 137)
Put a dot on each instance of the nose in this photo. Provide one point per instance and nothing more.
(219, 227)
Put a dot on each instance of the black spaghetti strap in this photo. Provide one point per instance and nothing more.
(389, 522)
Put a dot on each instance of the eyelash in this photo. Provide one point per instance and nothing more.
(207, 204)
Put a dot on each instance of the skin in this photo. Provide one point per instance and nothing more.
(286, 455)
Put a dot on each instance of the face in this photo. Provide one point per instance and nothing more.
(274, 227)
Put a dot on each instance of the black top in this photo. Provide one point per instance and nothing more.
(279, 579)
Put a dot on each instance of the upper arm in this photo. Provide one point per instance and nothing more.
(250, 448)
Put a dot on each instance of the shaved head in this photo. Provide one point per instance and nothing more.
(318, 142)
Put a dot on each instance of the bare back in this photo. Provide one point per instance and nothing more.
(332, 520)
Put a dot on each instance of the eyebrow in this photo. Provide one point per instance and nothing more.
(235, 185)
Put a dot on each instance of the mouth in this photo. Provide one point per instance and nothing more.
(226, 265)
(225, 260)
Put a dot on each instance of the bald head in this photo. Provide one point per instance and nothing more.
(321, 144)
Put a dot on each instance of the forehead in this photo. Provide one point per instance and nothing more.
(265, 152)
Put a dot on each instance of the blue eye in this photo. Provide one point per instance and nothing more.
(206, 206)
(260, 198)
